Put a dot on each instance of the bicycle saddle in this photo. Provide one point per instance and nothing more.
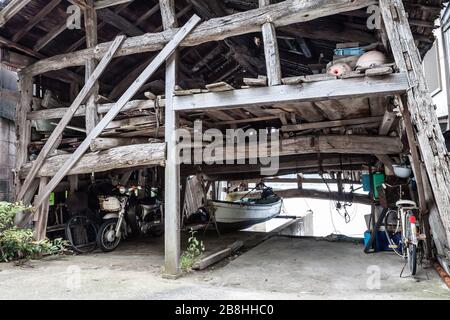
(405, 203)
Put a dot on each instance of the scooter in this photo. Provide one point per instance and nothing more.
(124, 214)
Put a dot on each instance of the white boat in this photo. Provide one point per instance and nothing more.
(245, 213)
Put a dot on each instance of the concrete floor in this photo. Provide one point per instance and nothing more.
(279, 268)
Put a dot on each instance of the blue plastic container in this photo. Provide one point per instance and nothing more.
(366, 182)
(349, 52)
(366, 237)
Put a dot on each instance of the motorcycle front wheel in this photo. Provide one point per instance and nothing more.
(106, 237)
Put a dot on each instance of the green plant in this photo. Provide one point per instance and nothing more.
(16, 244)
(7, 213)
(193, 252)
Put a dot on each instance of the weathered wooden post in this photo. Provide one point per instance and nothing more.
(90, 22)
(271, 52)
(172, 169)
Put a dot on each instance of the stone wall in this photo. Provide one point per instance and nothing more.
(7, 159)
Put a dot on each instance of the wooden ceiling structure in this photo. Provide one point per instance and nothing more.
(249, 64)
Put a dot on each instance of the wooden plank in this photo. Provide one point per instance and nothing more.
(219, 87)
(132, 90)
(11, 9)
(218, 256)
(271, 53)
(172, 168)
(423, 115)
(261, 81)
(55, 135)
(380, 71)
(148, 154)
(330, 124)
(316, 91)
(281, 14)
(36, 19)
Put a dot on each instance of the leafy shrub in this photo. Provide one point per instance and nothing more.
(192, 254)
(18, 243)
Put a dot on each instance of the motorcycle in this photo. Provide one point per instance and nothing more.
(124, 214)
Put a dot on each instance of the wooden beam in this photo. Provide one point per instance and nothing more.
(57, 132)
(49, 37)
(307, 180)
(386, 123)
(57, 113)
(36, 19)
(317, 194)
(100, 4)
(281, 14)
(315, 91)
(11, 9)
(330, 124)
(148, 154)
(172, 169)
(140, 81)
(324, 195)
(388, 163)
(273, 66)
(423, 115)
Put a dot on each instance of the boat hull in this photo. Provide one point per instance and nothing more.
(235, 216)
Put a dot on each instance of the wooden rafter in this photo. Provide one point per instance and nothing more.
(282, 14)
(11, 9)
(100, 4)
(36, 19)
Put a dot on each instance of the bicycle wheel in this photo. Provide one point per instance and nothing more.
(412, 258)
(81, 233)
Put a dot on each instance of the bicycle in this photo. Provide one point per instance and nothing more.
(410, 246)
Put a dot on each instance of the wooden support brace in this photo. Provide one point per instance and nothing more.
(132, 90)
(56, 134)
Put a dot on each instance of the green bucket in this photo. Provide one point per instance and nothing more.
(378, 180)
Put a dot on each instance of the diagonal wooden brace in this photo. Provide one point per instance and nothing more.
(54, 138)
(132, 90)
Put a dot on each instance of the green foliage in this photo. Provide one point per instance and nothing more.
(16, 244)
(7, 213)
(192, 254)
